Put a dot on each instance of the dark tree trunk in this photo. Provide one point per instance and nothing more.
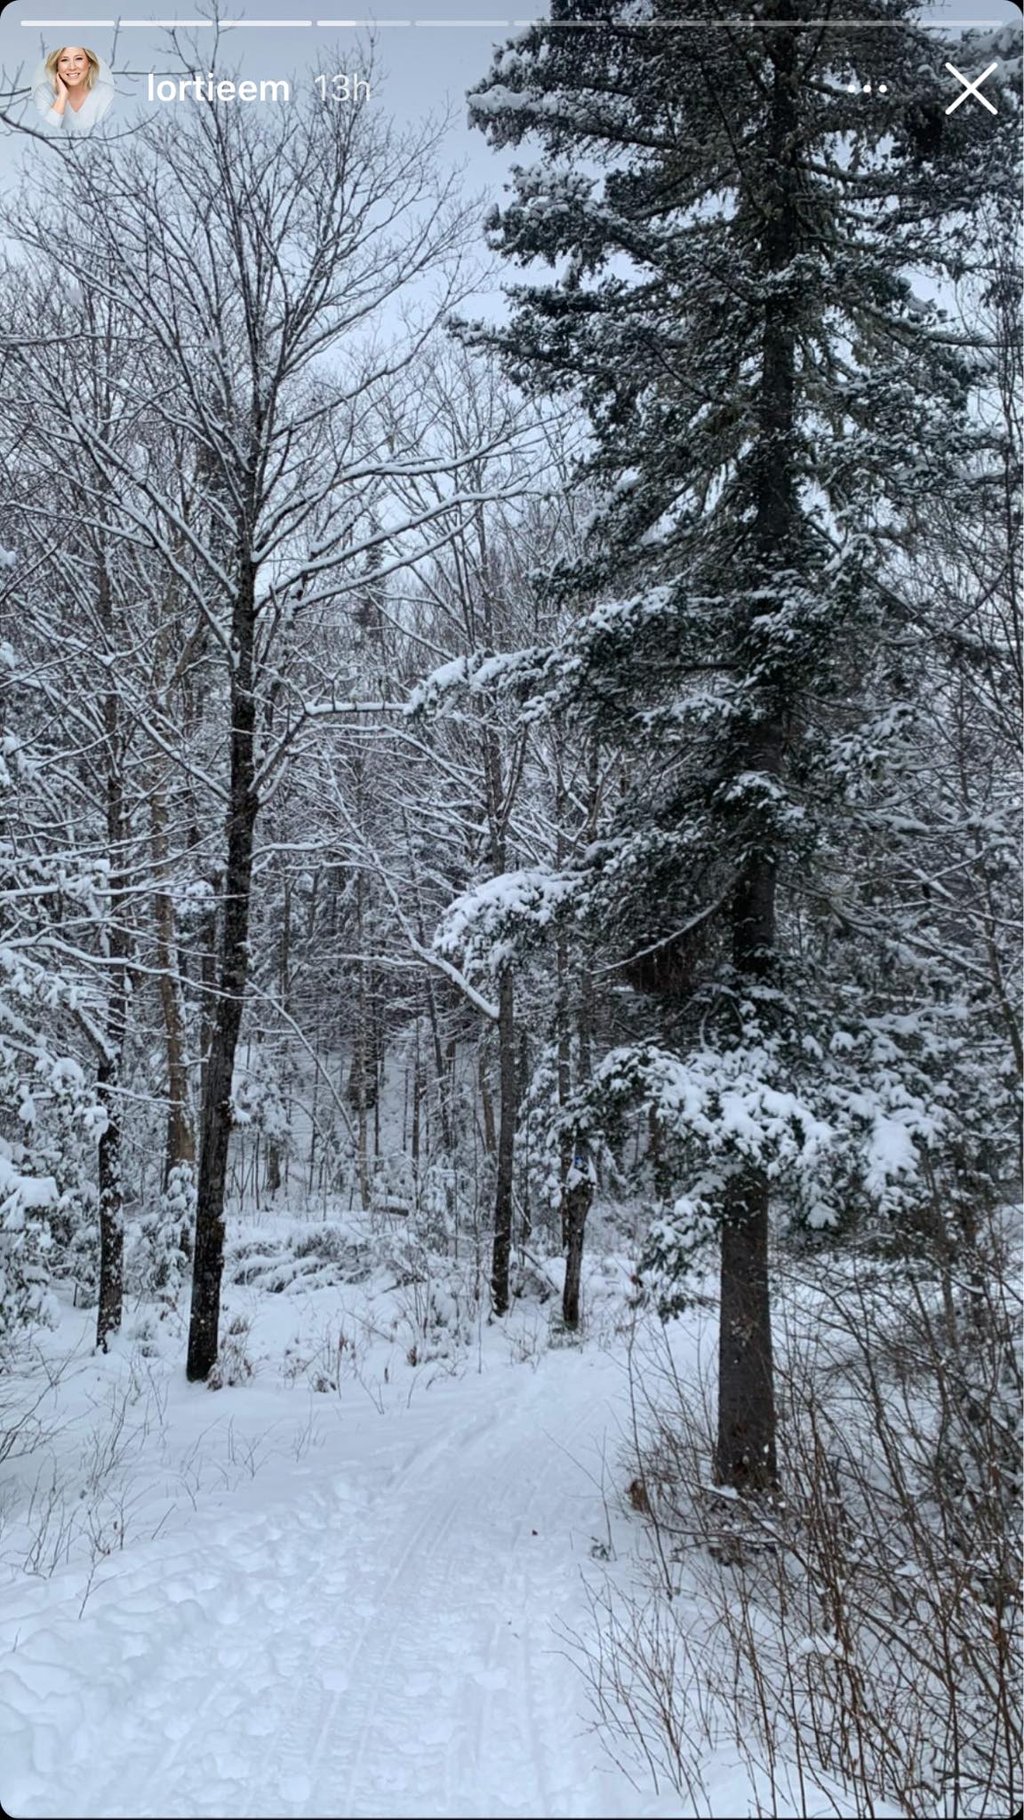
(522, 1084)
(109, 1164)
(502, 1251)
(576, 1201)
(563, 1075)
(575, 1164)
(111, 1286)
(227, 1014)
(417, 1102)
(745, 1452)
(745, 1456)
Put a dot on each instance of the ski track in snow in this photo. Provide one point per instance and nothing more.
(363, 1649)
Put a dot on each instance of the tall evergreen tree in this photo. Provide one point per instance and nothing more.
(739, 215)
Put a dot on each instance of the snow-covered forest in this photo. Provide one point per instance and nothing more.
(510, 912)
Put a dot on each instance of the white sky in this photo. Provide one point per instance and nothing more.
(424, 62)
(420, 65)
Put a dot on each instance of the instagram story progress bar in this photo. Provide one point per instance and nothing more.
(569, 25)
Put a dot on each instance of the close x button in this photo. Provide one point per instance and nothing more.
(971, 88)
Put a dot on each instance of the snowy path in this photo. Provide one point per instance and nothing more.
(379, 1642)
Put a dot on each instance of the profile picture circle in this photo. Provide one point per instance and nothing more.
(73, 89)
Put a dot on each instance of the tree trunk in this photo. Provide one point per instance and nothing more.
(563, 1068)
(576, 1201)
(443, 1097)
(273, 1175)
(111, 1191)
(745, 1452)
(207, 941)
(180, 1141)
(109, 1165)
(522, 1085)
(227, 1017)
(745, 1455)
(357, 1096)
(502, 1250)
(487, 1108)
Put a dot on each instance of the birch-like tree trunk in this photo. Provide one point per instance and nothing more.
(501, 1250)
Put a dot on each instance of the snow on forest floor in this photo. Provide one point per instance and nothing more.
(352, 1600)
(279, 1600)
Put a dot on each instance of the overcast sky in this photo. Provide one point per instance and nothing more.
(420, 66)
(422, 63)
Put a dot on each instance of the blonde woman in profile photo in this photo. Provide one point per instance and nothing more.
(73, 89)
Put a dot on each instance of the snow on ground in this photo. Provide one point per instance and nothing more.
(345, 1602)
